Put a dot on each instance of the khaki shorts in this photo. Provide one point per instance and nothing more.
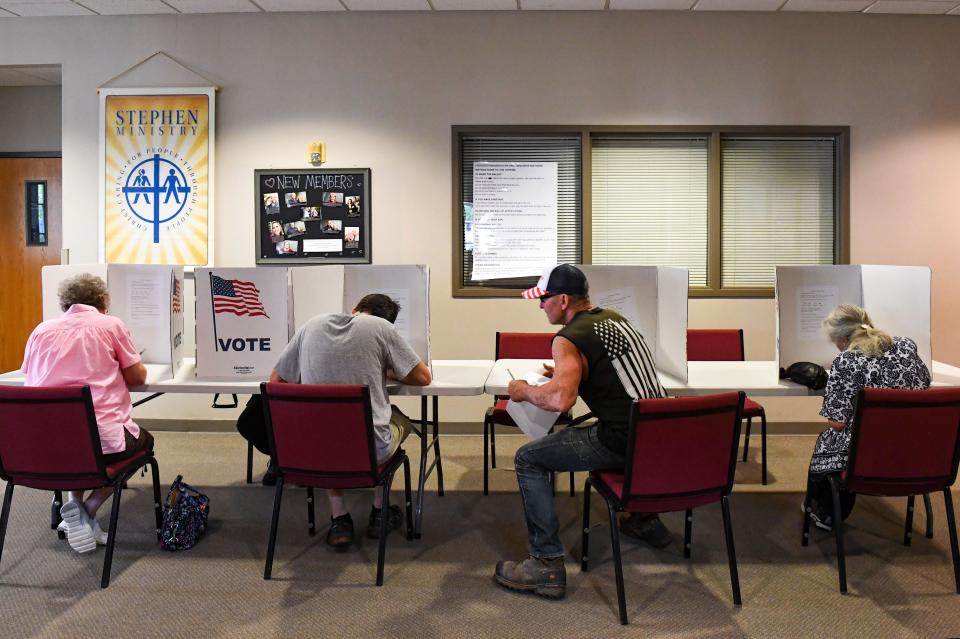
(400, 427)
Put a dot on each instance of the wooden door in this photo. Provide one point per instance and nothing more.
(21, 306)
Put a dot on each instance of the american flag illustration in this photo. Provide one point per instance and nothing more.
(177, 296)
(237, 297)
(631, 358)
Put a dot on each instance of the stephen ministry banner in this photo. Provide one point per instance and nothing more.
(156, 188)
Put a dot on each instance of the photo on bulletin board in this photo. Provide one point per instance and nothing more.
(312, 216)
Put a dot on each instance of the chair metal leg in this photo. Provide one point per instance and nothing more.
(311, 513)
(486, 457)
(249, 463)
(805, 538)
(384, 516)
(407, 497)
(55, 509)
(763, 447)
(929, 508)
(5, 514)
(272, 541)
(687, 532)
(573, 491)
(731, 551)
(746, 438)
(438, 460)
(838, 533)
(952, 528)
(157, 503)
(908, 525)
(111, 535)
(617, 562)
(585, 540)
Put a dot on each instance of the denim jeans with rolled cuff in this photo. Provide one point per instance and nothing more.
(572, 449)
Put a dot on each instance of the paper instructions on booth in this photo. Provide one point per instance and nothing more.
(622, 300)
(814, 303)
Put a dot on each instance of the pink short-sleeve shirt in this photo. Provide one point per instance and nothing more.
(85, 346)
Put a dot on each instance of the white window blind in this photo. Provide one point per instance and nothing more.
(650, 202)
(565, 150)
(779, 203)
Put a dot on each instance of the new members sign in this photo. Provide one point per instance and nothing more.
(156, 180)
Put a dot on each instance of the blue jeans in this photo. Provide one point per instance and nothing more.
(572, 449)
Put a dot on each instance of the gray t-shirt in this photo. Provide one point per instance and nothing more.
(350, 349)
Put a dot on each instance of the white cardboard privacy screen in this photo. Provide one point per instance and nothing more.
(52, 276)
(243, 321)
(320, 290)
(144, 297)
(654, 299)
(317, 290)
(674, 292)
(897, 298)
(408, 285)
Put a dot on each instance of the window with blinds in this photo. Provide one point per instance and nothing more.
(650, 202)
(779, 206)
(727, 203)
(565, 150)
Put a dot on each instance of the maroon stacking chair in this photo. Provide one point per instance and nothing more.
(49, 441)
(726, 345)
(681, 454)
(904, 443)
(321, 436)
(513, 346)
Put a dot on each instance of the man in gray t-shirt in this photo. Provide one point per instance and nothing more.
(361, 348)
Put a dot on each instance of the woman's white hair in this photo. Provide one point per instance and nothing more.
(853, 324)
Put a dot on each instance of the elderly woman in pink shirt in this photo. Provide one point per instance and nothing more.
(87, 346)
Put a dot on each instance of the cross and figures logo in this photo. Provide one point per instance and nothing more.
(157, 190)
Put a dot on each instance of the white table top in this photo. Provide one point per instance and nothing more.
(754, 378)
(452, 377)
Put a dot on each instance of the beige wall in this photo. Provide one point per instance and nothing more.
(29, 119)
(382, 90)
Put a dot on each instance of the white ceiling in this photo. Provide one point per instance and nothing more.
(34, 8)
(49, 75)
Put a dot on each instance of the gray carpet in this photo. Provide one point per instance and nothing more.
(441, 585)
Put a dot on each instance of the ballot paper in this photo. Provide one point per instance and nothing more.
(532, 420)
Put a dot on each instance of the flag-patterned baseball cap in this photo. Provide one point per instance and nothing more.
(562, 278)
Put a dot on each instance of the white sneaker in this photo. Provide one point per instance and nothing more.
(99, 534)
(79, 528)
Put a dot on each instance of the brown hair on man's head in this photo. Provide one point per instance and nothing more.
(379, 305)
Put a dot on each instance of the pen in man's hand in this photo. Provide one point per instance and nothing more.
(510, 374)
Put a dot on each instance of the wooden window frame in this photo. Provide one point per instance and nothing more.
(715, 135)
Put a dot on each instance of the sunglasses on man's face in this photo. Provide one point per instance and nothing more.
(544, 298)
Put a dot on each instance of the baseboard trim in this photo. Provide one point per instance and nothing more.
(446, 428)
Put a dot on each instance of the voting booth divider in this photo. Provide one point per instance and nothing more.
(654, 299)
(148, 298)
(896, 297)
(319, 290)
(244, 321)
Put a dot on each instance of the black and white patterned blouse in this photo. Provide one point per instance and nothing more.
(898, 367)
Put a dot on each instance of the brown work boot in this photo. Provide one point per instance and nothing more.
(544, 577)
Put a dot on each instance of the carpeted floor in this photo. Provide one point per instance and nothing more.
(441, 585)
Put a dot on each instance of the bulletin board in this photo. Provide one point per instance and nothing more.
(312, 216)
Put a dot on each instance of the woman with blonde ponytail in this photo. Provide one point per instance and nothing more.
(869, 358)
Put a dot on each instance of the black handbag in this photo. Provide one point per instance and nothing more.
(185, 514)
(811, 375)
